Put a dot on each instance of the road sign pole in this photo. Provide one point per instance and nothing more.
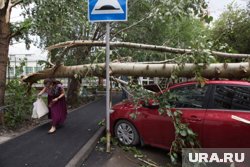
(107, 86)
(98, 12)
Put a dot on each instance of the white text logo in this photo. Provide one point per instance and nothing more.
(214, 157)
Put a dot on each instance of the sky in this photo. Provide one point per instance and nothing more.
(19, 47)
(216, 7)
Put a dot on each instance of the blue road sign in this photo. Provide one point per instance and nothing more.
(107, 10)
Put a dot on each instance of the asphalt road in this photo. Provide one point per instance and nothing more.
(39, 149)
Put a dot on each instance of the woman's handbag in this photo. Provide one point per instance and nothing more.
(39, 108)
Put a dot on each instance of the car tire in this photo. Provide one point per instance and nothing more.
(126, 133)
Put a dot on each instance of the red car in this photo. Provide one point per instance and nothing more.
(218, 112)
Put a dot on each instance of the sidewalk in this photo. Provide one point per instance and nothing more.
(36, 148)
(120, 157)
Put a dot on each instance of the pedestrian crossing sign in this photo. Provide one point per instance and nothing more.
(107, 10)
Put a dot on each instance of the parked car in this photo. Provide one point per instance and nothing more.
(218, 112)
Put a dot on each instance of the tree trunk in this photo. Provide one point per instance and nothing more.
(75, 83)
(100, 83)
(217, 70)
(4, 50)
(73, 91)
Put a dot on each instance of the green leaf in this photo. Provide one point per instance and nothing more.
(169, 113)
(133, 116)
(173, 159)
(190, 132)
(183, 133)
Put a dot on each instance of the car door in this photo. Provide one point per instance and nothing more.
(192, 102)
(190, 99)
(227, 121)
(155, 127)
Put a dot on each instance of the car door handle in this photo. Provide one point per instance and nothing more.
(194, 118)
(240, 119)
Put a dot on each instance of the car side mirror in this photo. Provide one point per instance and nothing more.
(151, 104)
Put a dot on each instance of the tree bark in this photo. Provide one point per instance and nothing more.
(217, 70)
(73, 91)
(4, 49)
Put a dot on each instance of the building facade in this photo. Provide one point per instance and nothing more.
(23, 61)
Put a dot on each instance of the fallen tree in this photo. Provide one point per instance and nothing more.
(217, 70)
(160, 69)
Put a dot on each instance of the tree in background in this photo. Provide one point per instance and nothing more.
(232, 30)
(160, 23)
(178, 33)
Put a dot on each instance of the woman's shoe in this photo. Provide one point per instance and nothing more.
(52, 130)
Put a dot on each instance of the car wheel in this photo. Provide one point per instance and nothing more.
(126, 133)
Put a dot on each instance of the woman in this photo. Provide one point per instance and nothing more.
(56, 102)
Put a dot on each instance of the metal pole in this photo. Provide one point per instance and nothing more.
(107, 87)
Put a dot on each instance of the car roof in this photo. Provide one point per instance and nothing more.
(155, 88)
(230, 82)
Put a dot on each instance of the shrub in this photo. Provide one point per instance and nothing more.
(21, 103)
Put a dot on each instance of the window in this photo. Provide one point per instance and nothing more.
(191, 96)
(231, 97)
(223, 97)
(11, 71)
(12, 57)
(28, 70)
(241, 100)
(38, 69)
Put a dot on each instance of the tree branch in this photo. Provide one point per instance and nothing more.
(2, 4)
(141, 46)
(18, 32)
(47, 63)
(160, 62)
(119, 80)
(134, 24)
(8, 10)
(96, 32)
(15, 3)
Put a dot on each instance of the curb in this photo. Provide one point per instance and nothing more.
(85, 151)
